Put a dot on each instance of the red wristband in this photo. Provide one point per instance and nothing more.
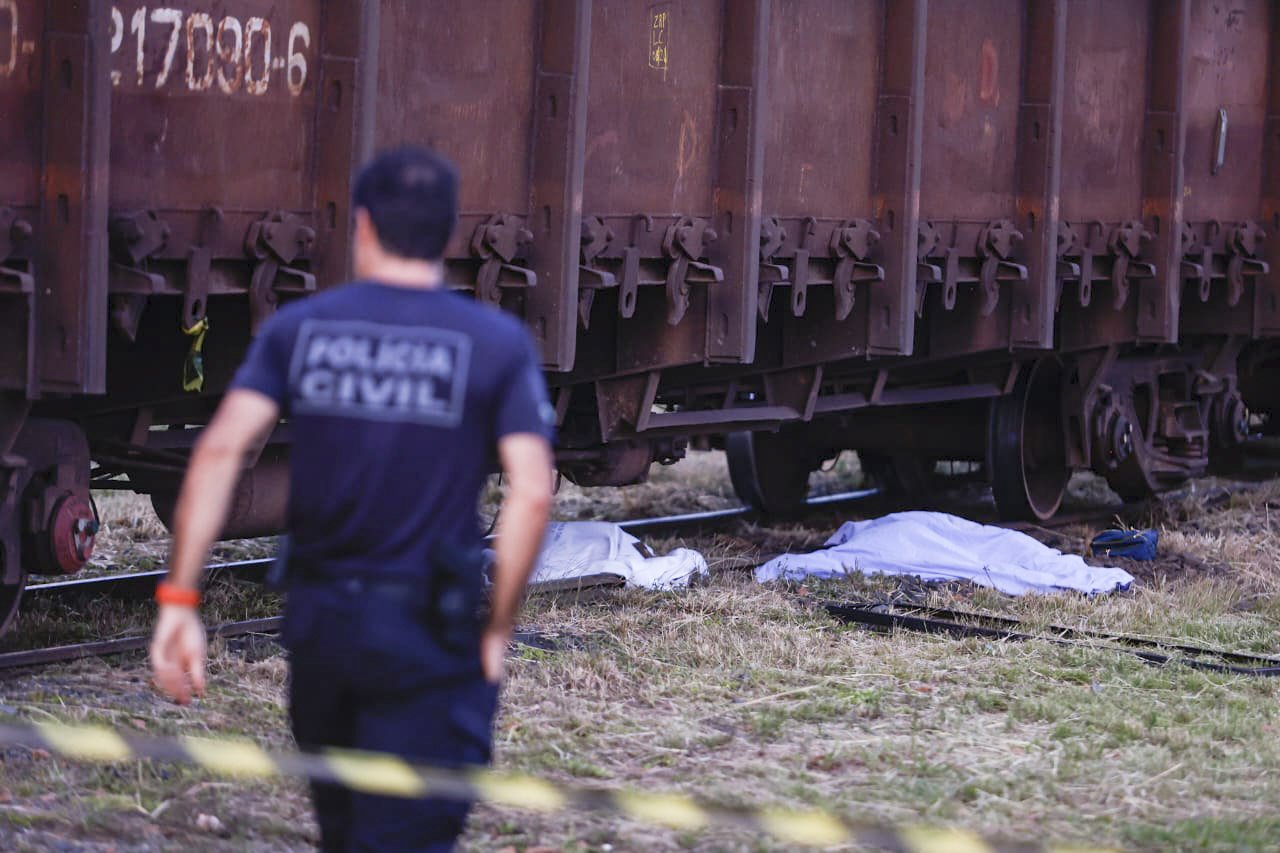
(167, 593)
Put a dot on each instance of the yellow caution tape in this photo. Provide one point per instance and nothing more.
(193, 366)
(390, 775)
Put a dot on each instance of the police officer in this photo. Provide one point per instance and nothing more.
(398, 393)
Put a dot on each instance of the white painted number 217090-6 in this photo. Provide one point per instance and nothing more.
(225, 55)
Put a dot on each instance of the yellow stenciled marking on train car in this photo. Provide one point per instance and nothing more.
(924, 839)
(659, 38)
(811, 828)
(92, 743)
(230, 757)
(514, 789)
(375, 773)
(670, 810)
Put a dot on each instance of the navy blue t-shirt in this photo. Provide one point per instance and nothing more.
(396, 398)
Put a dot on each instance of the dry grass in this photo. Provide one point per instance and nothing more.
(750, 694)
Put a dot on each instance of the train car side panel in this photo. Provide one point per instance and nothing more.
(21, 106)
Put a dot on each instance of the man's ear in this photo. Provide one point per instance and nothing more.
(364, 226)
(364, 244)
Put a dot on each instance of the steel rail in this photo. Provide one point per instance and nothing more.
(267, 625)
(120, 645)
(142, 584)
(925, 620)
(139, 585)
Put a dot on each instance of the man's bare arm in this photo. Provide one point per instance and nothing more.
(527, 465)
(178, 644)
(240, 424)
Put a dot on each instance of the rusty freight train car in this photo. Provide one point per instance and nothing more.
(1035, 234)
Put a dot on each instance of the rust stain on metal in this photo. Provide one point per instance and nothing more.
(989, 80)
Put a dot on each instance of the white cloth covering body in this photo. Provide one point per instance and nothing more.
(936, 546)
(574, 549)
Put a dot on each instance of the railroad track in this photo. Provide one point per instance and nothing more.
(141, 585)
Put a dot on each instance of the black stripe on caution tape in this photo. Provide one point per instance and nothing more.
(389, 775)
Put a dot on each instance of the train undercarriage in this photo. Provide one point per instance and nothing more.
(1144, 417)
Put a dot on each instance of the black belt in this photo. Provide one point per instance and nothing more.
(400, 588)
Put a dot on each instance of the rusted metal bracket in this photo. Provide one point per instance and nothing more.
(13, 232)
(1125, 244)
(596, 237)
(275, 242)
(795, 389)
(852, 243)
(137, 235)
(134, 237)
(1239, 260)
(1078, 260)
(195, 298)
(772, 237)
(497, 242)
(683, 244)
(1246, 242)
(987, 266)
(629, 286)
(995, 245)
(797, 276)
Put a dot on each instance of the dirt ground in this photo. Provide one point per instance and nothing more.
(747, 694)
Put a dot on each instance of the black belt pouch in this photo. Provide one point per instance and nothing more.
(454, 595)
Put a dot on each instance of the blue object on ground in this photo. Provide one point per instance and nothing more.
(1134, 544)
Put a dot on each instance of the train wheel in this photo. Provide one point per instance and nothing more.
(1026, 450)
(770, 470)
(908, 476)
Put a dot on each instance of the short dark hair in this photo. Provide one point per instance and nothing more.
(411, 195)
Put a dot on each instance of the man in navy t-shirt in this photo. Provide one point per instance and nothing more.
(399, 394)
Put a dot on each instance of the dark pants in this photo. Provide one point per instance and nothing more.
(367, 674)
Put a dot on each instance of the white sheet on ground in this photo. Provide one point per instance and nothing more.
(939, 547)
(574, 549)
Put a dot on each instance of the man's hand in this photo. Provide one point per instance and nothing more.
(527, 463)
(493, 654)
(178, 650)
(244, 418)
